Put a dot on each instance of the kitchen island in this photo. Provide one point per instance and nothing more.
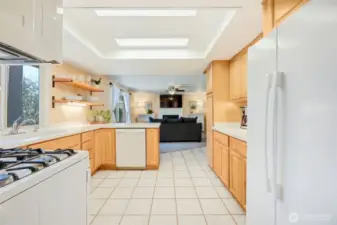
(110, 146)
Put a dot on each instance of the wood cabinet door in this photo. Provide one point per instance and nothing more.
(209, 145)
(209, 112)
(284, 7)
(98, 149)
(237, 176)
(152, 148)
(108, 139)
(234, 79)
(217, 157)
(209, 80)
(244, 75)
(225, 165)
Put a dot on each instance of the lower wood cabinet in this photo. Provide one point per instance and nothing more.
(217, 146)
(72, 142)
(152, 148)
(105, 149)
(209, 146)
(88, 144)
(237, 176)
(224, 177)
(229, 164)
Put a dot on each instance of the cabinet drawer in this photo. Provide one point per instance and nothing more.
(222, 138)
(88, 136)
(69, 142)
(238, 146)
(87, 145)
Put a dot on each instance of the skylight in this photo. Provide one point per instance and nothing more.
(147, 12)
(152, 42)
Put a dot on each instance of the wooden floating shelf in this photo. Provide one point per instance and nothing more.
(98, 122)
(84, 103)
(77, 84)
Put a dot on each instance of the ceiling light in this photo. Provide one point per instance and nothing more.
(147, 12)
(152, 42)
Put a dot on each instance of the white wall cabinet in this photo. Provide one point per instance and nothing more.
(33, 26)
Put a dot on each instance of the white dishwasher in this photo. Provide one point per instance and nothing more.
(130, 148)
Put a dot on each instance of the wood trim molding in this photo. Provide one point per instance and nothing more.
(244, 49)
(294, 9)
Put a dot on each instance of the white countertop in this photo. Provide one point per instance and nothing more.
(231, 129)
(45, 134)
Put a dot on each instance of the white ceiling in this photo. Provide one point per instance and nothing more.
(220, 30)
(158, 84)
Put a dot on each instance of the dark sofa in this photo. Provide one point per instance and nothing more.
(179, 130)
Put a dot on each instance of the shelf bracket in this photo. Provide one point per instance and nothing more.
(53, 77)
(53, 102)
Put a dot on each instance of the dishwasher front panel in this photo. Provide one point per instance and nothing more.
(131, 148)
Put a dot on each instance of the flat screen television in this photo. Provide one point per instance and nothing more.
(171, 101)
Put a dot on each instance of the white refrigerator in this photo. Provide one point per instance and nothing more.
(292, 131)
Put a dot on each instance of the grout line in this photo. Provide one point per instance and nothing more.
(175, 194)
(198, 199)
(154, 189)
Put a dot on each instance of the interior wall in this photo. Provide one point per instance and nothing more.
(199, 97)
(138, 100)
(64, 113)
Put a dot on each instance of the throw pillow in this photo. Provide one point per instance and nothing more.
(153, 120)
(174, 120)
(189, 120)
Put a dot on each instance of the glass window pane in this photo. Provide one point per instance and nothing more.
(23, 94)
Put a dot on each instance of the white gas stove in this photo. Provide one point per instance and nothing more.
(46, 185)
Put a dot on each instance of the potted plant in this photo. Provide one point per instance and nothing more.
(101, 116)
(96, 82)
(149, 111)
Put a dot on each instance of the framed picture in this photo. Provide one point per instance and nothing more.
(193, 105)
(148, 105)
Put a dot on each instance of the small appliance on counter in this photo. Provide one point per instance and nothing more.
(244, 121)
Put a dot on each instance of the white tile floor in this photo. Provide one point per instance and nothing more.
(184, 191)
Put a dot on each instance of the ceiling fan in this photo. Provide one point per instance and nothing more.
(173, 89)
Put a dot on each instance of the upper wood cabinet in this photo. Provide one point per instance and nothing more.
(284, 7)
(275, 11)
(244, 75)
(235, 79)
(209, 112)
(238, 77)
(152, 148)
(209, 80)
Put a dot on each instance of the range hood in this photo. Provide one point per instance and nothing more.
(11, 55)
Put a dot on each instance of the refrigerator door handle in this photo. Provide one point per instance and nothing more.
(268, 182)
(275, 88)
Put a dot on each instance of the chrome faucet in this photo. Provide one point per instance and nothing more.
(16, 125)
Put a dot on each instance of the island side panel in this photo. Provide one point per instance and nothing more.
(152, 148)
